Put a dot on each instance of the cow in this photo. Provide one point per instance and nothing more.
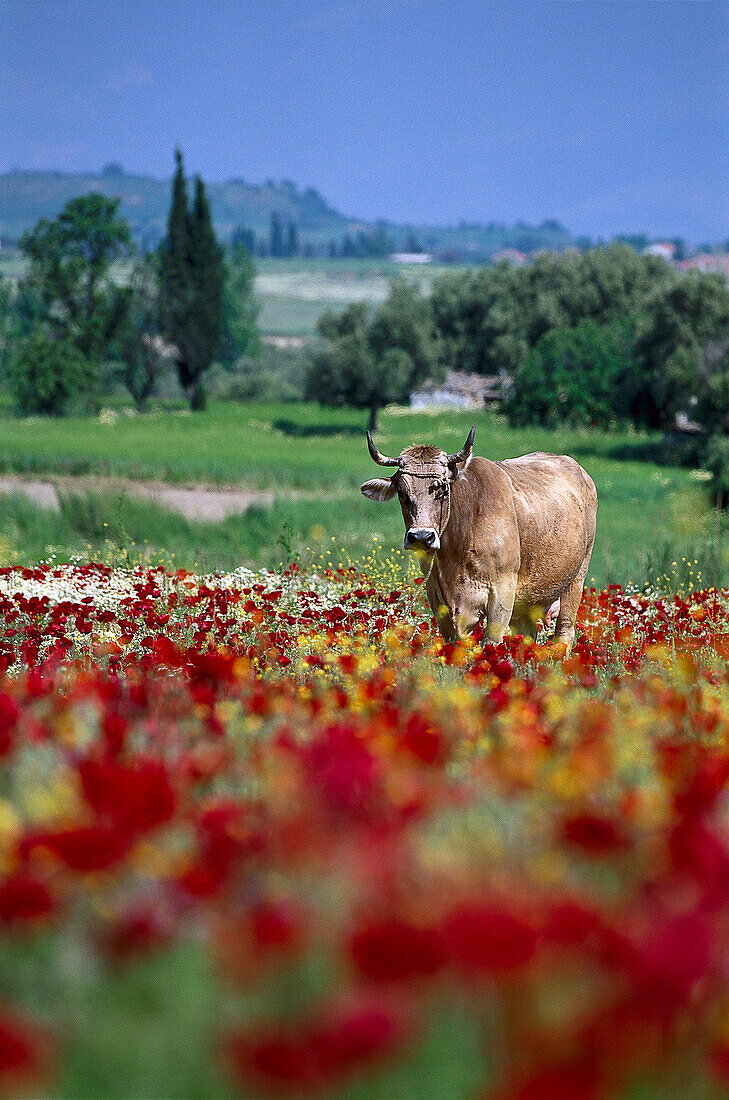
(498, 542)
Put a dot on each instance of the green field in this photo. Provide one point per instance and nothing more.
(293, 294)
(314, 461)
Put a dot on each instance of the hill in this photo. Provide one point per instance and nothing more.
(27, 196)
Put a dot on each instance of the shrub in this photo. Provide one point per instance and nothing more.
(277, 374)
(717, 463)
(46, 375)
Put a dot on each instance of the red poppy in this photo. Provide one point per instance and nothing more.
(311, 1058)
(594, 834)
(484, 937)
(24, 898)
(395, 950)
(9, 713)
(84, 848)
(423, 740)
(24, 1053)
(136, 796)
(574, 1081)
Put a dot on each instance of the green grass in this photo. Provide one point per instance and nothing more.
(283, 315)
(107, 1019)
(645, 509)
(294, 293)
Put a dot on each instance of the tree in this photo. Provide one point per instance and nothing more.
(143, 355)
(47, 372)
(292, 240)
(192, 276)
(69, 283)
(574, 376)
(240, 308)
(679, 321)
(245, 237)
(487, 320)
(367, 361)
(6, 321)
(275, 235)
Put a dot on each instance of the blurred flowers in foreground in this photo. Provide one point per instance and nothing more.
(366, 828)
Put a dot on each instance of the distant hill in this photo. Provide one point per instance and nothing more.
(27, 196)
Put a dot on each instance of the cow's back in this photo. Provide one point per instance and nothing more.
(556, 508)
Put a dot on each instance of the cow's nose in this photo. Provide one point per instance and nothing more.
(424, 537)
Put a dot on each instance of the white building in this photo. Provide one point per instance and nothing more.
(411, 257)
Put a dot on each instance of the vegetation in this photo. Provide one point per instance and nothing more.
(268, 836)
(239, 207)
(143, 359)
(682, 342)
(487, 319)
(48, 373)
(320, 461)
(573, 376)
(240, 309)
(191, 276)
(73, 292)
(369, 361)
(601, 338)
(68, 295)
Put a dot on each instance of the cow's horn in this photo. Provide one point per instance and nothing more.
(465, 452)
(380, 459)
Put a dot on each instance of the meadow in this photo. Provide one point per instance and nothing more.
(293, 293)
(314, 461)
(262, 834)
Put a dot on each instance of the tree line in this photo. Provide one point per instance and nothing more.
(283, 241)
(597, 339)
(184, 306)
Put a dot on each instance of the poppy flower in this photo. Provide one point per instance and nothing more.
(24, 1053)
(486, 938)
(24, 898)
(594, 834)
(82, 848)
(395, 951)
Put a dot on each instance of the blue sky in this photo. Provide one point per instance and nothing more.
(611, 116)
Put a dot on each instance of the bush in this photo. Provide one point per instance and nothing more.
(573, 376)
(199, 399)
(717, 463)
(47, 374)
(276, 375)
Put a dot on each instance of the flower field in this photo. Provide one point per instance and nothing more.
(411, 869)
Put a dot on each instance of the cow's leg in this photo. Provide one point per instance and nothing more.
(441, 613)
(568, 607)
(445, 626)
(499, 608)
(550, 615)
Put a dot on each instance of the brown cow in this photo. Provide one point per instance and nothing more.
(496, 540)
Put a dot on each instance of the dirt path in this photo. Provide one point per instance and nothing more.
(203, 502)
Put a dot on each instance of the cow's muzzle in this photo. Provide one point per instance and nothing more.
(422, 538)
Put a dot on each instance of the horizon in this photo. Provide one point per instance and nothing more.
(610, 117)
(350, 218)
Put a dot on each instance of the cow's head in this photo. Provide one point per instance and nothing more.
(422, 480)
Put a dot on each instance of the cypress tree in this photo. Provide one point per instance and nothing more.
(174, 269)
(292, 240)
(191, 275)
(276, 241)
(208, 280)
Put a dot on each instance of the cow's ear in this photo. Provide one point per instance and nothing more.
(458, 468)
(380, 488)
